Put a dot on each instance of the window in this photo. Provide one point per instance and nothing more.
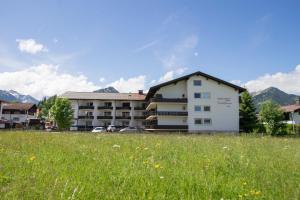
(126, 104)
(89, 103)
(107, 104)
(206, 108)
(197, 83)
(207, 121)
(198, 121)
(197, 108)
(125, 114)
(107, 113)
(197, 95)
(206, 95)
(183, 107)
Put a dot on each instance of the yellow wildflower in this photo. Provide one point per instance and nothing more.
(32, 158)
(245, 183)
(157, 166)
(146, 162)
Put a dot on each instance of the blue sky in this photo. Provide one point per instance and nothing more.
(149, 42)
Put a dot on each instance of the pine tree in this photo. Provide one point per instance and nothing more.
(248, 117)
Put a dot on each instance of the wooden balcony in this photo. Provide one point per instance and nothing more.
(123, 117)
(139, 108)
(104, 117)
(85, 117)
(105, 107)
(168, 113)
(139, 117)
(168, 100)
(123, 108)
(86, 107)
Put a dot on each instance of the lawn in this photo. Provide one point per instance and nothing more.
(37, 165)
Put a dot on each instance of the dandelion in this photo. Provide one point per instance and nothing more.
(245, 183)
(146, 162)
(156, 166)
(161, 177)
(116, 146)
(32, 158)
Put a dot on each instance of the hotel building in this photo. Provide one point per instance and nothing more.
(196, 102)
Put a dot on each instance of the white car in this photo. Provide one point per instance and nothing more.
(111, 128)
(129, 129)
(99, 130)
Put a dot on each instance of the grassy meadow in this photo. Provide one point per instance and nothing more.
(38, 165)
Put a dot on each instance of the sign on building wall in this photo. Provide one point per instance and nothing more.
(224, 101)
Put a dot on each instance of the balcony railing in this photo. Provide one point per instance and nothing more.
(123, 117)
(85, 117)
(139, 117)
(168, 127)
(139, 108)
(168, 113)
(123, 108)
(104, 117)
(105, 107)
(86, 107)
(169, 100)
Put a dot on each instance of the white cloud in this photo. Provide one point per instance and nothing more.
(146, 46)
(44, 80)
(130, 85)
(288, 82)
(179, 54)
(30, 46)
(171, 74)
(102, 79)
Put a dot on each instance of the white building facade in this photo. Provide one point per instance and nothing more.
(18, 113)
(196, 103)
(102, 109)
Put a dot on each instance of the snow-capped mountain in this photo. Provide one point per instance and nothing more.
(14, 96)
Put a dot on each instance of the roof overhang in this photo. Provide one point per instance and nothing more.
(154, 89)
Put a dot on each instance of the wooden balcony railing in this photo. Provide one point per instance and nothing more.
(86, 107)
(105, 107)
(170, 100)
(85, 117)
(104, 117)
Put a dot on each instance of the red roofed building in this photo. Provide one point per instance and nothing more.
(292, 112)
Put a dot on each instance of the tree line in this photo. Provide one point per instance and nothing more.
(268, 120)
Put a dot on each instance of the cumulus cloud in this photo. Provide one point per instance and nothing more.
(30, 46)
(130, 85)
(288, 82)
(44, 80)
(171, 74)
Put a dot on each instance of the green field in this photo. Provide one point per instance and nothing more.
(147, 166)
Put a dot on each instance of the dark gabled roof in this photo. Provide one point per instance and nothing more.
(153, 89)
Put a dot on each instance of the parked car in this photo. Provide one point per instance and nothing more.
(111, 128)
(99, 130)
(130, 130)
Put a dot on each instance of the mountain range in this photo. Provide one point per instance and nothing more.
(13, 96)
(274, 94)
(107, 90)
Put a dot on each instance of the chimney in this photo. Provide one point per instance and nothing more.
(141, 92)
(298, 101)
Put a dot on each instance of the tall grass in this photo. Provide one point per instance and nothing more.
(147, 166)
